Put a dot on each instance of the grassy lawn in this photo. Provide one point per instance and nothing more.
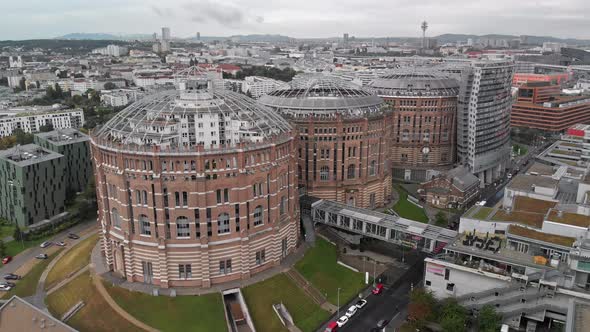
(6, 230)
(16, 247)
(28, 284)
(407, 210)
(483, 213)
(519, 150)
(95, 315)
(72, 261)
(182, 313)
(280, 289)
(319, 267)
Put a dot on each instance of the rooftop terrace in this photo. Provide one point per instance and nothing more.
(540, 236)
(568, 218)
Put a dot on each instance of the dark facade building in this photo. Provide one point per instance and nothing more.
(344, 133)
(32, 184)
(75, 146)
(540, 105)
(423, 122)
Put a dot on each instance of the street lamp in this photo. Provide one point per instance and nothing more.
(338, 302)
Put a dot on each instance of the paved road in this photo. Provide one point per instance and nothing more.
(391, 304)
(29, 254)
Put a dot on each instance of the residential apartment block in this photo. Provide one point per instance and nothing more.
(75, 147)
(32, 184)
(31, 119)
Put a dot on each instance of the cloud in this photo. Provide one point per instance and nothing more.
(259, 19)
(163, 12)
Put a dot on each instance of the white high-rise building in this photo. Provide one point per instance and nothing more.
(165, 33)
(483, 117)
(15, 62)
(111, 50)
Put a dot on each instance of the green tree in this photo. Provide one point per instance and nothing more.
(440, 219)
(22, 84)
(488, 320)
(2, 249)
(46, 127)
(22, 138)
(422, 306)
(453, 316)
(18, 235)
(110, 86)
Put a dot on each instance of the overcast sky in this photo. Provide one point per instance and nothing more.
(25, 19)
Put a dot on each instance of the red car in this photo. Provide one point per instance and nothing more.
(332, 327)
(6, 260)
(378, 289)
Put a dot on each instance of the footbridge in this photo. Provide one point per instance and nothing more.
(394, 229)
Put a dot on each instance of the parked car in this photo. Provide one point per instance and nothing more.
(73, 236)
(342, 320)
(46, 244)
(378, 289)
(332, 327)
(361, 303)
(5, 288)
(11, 276)
(60, 243)
(351, 311)
(7, 283)
(41, 256)
(6, 260)
(382, 323)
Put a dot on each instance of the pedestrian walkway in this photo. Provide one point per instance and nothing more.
(100, 267)
(38, 300)
(67, 280)
(306, 286)
(96, 280)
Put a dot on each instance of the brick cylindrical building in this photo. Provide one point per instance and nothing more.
(423, 122)
(196, 187)
(343, 144)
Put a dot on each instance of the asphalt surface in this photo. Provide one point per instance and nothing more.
(390, 305)
(29, 254)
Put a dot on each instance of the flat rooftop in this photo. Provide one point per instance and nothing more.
(29, 154)
(524, 182)
(540, 236)
(505, 255)
(64, 136)
(526, 211)
(541, 169)
(568, 218)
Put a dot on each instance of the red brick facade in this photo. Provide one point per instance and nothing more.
(197, 217)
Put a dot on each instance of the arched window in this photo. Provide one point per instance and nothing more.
(223, 223)
(145, 197)
(325, 173)
(115, 218)
(283, 206)
(405, 135)
(351, 172)
(373, 168)
(182, 227)
(426, 135)
(258, 215)
(144, 225)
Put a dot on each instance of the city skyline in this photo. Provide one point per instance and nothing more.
(299, 20)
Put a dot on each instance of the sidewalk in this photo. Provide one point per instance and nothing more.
(100, 269)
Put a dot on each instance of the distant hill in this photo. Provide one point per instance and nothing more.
(103, 36)
(247, 38)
